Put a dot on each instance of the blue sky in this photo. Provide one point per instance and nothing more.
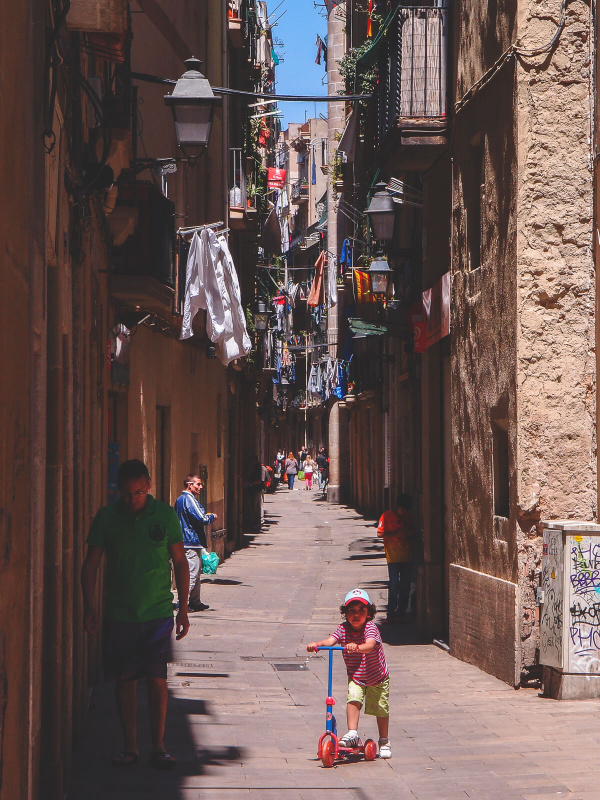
(298, 74)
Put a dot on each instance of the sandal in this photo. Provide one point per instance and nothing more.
(126, 759)
(162, 760)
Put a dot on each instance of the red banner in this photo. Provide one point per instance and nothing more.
(275, 178)
(430, 317)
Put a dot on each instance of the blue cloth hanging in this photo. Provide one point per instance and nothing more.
(346, 254)
(314, 167)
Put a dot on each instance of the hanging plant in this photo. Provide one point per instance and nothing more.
(355, 81)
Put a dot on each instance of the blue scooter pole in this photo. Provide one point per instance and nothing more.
(329, 720)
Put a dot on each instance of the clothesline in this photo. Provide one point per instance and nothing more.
(211, 225)
(289, 269)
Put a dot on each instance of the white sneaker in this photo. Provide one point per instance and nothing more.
(349, 740)
(385, 750)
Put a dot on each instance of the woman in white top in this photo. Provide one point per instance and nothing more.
(309, 467)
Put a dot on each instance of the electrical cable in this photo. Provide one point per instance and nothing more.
(49, 64)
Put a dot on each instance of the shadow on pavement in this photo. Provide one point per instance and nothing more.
(94, 777)
(396, 634)
(364, 556)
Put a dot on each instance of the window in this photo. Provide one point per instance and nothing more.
(501, 468)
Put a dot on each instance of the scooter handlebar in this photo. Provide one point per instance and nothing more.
(325, 647)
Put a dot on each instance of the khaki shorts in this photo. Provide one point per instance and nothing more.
(377, 702)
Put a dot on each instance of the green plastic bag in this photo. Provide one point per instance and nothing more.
(210, 562)
(301, 475)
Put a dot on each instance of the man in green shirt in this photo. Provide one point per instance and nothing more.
(139, 536)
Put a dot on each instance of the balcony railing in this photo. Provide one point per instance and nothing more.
(413, 68)
(237, 191)
(299, 192)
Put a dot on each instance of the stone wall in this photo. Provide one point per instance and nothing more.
(556, 431)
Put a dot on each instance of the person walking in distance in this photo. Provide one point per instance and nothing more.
(321, 466)
(309, 467)
(139, 535)
(396, 529)
(291, 469)
(193, 518)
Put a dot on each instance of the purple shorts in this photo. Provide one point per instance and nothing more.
(135, 650)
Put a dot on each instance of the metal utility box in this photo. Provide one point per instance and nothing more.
(570, 610)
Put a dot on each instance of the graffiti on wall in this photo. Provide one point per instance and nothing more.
(551, 621)
(584, 604)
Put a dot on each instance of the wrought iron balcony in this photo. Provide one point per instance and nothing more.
(411, 94)
(299, 192)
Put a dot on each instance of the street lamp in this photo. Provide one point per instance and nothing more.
(261, 321)
(382, 213)
(193, 105)
(380, 275)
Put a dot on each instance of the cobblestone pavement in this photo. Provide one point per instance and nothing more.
(247, 701)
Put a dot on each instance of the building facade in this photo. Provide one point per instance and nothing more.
(103, 206)
(482, 405)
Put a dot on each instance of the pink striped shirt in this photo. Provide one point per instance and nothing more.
(366, 669)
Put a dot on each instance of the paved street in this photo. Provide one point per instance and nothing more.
(247, 702)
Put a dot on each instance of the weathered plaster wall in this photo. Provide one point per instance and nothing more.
(484, 330)
(482, 32)
(483, 376)
(556, 360)
(524, 322)
(556, 432)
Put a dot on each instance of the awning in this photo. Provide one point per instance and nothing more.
(361, 328)
(348, 141)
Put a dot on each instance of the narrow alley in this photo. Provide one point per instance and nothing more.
(247, 703)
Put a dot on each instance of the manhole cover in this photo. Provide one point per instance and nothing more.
(289, 667)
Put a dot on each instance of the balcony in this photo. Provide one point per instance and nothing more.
(143, 274)
(235, 22)
(300, 192)
(243, 212)
(411, 95)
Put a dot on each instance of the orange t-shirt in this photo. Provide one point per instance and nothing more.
(397, 536)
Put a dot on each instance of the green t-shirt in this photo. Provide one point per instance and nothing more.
(138, 575)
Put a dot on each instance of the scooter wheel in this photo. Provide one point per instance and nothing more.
(370, 750)
(328, 753)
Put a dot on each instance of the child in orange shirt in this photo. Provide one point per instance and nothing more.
(395, 528)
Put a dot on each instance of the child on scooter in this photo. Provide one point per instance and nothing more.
(368, 675)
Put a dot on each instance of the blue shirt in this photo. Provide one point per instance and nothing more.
(192, 518)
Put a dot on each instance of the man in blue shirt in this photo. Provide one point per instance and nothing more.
(193, 518)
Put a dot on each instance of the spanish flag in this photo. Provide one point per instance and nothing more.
(369, 23)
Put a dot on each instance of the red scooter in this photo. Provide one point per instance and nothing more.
(330, 749)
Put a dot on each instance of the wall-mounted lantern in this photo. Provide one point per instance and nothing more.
(261, 320)
(193, 105)
(380, 276)
(382, 214)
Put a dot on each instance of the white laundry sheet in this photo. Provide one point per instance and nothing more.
(212, 284)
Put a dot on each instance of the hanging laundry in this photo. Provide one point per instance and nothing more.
(317, 292)
(313, 178)
(212, 284)
(321, 51)
(205, 288)
(238, 344)
(332, 276)
(346, 255)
